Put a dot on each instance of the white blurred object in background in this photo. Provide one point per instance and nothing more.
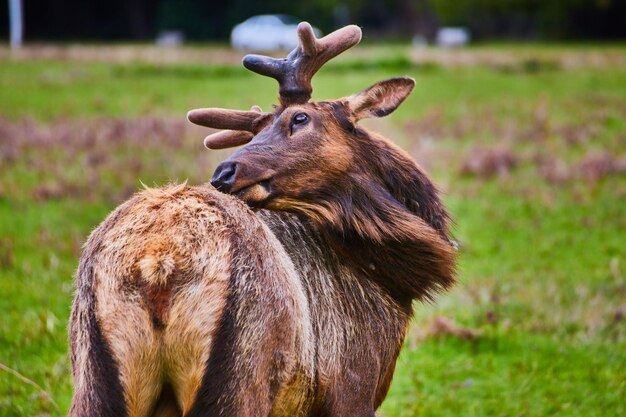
(17, 28)
(452, 37)
(419, 41)
(267, 33)
(170, 38)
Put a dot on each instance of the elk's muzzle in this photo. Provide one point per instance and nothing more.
(249, 182)
(224, 176)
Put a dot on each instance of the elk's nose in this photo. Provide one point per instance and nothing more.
(224, 176)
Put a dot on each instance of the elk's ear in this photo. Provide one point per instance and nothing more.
(380, 99)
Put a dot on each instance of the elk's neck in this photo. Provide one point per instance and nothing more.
(387, 223)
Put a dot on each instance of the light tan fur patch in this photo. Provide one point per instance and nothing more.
(158, 262)
(169, 234)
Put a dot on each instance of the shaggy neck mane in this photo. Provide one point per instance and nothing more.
(386, 221)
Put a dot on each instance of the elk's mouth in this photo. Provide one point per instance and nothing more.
(255, 195)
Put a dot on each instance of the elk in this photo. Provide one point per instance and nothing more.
(285, 287)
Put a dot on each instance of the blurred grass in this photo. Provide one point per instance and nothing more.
(531, 157)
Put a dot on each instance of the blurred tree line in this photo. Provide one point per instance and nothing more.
(214, 19)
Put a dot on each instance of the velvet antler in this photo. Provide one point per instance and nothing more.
(242, 125)
(294, 73)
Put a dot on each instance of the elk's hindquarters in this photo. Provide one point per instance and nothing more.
(171, 303)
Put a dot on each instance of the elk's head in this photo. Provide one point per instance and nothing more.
(296, 157)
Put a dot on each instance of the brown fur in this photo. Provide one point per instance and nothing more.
(201, 307)
(200, 226)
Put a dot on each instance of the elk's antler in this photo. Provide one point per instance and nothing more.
(294, 73)
(242, 125)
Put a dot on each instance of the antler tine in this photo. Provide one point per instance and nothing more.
(227, 139)
(308, 41)
(294, 73)
(241, 125)
(225, 118)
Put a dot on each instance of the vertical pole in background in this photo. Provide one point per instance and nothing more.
(15, 18)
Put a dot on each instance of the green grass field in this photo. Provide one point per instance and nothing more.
(531, 157)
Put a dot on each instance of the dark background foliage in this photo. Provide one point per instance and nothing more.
(213, 20)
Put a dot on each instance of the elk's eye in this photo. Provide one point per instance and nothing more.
(299, 119)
